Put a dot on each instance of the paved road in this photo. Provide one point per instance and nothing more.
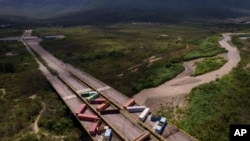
(117, 120)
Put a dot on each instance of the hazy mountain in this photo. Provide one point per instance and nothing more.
(89, 11)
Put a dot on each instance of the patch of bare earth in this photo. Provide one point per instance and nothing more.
(35, 126)
(33, 96)
(167, 101)
(247, 67)
(173, 92)
(10, 54)
(164, 35)
(3, 93)
(148, 61)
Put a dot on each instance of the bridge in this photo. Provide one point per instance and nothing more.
(70, 82)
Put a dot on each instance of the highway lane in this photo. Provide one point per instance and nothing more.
(56, 65)
(77, 86)
(171, 132)
(72, 103)
(86, 77)
(97, 84)
(125, 127)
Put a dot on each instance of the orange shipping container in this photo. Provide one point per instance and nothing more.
(129, 103)
(103, 106)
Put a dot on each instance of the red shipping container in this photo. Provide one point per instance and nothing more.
(92, 129)
(87, 117)
(129, 103)
(82, 108)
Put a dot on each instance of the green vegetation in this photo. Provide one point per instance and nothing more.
(20, 79)
(207, 48)
(129, 57)
(216, 105)
(209, 64)
(155, 76)
(236, 41)
(57, 119)
(9, 32)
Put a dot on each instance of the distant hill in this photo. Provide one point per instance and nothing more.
(95, 11)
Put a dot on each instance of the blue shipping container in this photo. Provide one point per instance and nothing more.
(155, 118)
(107, 135)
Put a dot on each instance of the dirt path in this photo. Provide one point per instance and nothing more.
(3, 93)
(35, 124)
(176, 89)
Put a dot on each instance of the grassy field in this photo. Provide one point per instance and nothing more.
(208, 64)
(9, 32)
(20, 79)
(216, 105)
(131, 57)
(207, 48)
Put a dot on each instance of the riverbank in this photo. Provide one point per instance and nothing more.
(175, 91)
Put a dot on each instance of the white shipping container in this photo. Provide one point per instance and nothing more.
(144, 114)
(136, 108)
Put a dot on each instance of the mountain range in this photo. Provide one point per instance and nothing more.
(110, 11)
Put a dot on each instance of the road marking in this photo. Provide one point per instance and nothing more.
(69, 97)
(83, 90)
(103, 88)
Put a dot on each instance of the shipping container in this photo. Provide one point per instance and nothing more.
(161, 125)
(82, 108)
(85, 94)
(158, 129)
(92, 129)
(163, 120)
(129, 103)
(144, 114)
(107, 135)
(93, 96)
(133, 109)
(87, 117)
(97, 101)
(155, 118)
(89, 93)
(110, 111)
(103, 106)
